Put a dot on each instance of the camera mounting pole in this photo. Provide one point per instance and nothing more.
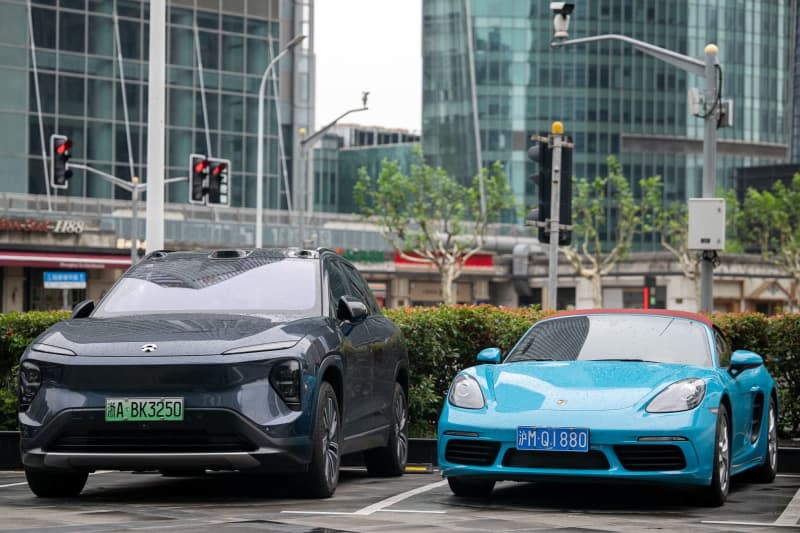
(708, 70)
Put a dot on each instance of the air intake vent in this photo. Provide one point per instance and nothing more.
(650, 457)
(591, 460)
(472, 452)
(228, 254)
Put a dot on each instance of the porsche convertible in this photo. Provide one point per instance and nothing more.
(636, 395)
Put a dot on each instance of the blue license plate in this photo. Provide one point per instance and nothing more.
(553, 439)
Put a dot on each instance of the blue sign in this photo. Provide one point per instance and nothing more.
(64, 280)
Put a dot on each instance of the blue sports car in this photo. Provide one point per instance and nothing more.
(651, 396)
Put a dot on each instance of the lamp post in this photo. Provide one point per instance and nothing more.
(305, 146)
(708, 70)
(260, 151)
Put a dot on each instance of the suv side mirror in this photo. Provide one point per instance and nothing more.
(351, 309)
(83, 309)
(489, 355)
(742, 360)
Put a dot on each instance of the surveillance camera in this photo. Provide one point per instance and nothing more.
(562, 11)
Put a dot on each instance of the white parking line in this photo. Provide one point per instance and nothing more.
(25, 482)
(788, 518)
(381, 505)
(791, 515)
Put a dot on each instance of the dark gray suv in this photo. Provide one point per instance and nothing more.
(266, 360)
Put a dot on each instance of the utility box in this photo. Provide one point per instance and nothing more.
(706, 223)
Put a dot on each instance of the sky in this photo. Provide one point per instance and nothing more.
(369, 45)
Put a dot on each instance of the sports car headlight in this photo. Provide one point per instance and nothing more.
(680, 396)
(465, 392)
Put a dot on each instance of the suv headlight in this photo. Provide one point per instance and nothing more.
(465, 392)
(680, 396)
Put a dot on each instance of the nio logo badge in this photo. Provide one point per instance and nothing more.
(149, 348)
(561, 402)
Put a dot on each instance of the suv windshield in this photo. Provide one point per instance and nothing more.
(658, 339)
(194, 283)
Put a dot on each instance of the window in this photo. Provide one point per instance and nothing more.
(723, 348)
(337, 285)
(362, 289)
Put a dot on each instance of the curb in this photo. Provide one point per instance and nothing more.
(420, 452)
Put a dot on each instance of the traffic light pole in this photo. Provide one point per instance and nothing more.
(555, 208)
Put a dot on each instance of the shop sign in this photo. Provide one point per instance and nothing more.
(365, 256)
(20, 225)
(64, 280)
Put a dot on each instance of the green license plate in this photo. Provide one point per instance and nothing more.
(143, 409)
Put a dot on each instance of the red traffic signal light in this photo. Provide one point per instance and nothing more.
(60, 152)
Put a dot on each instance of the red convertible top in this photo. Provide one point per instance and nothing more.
(657, 312)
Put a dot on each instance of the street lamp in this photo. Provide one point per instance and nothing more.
(260, 152)
(306, 144)
(709, 70)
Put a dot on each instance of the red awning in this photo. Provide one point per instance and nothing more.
(63, 260)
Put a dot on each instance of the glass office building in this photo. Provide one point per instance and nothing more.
(603, 91)
(80, 90)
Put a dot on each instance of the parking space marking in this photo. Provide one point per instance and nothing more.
(25, 482)
(388, 502)
(791, 515)
(788, 518)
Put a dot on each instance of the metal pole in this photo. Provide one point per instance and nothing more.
(709, 168)
(155, 126)
(39, 109)
(135, 220)
(202, 88)
(260, 138)
(474, 97)
(124, 96)
(555, 198)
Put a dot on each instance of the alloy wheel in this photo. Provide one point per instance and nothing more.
(772, 438)
(400, 421)
(330, 440)
(723, 453)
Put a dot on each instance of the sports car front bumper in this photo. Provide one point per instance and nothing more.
(624, 444)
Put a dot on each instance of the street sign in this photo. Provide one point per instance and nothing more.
(64, 280)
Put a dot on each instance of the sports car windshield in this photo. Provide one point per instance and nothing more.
(615, 337)
(258, 286)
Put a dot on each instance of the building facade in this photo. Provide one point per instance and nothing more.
(81, 71)
(612, 99)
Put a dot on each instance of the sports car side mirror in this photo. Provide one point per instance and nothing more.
(742, 360)
(83, 309)
(489, 355)
(351, 309)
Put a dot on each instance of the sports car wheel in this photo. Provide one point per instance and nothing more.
(470, 488)
(49, 484)
(715, 494)
(766, 471)
(323, 473)
(391, 459)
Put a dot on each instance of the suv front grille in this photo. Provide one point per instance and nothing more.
(471, 452)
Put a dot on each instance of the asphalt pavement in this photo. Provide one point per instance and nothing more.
(120, 501)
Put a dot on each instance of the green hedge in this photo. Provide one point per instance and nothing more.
(442, 340)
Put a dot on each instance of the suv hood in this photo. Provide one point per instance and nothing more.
(197, 334)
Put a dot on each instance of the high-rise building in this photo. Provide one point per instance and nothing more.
(74, 79)
(612, 99)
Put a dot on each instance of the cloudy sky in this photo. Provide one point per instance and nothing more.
(369, 45)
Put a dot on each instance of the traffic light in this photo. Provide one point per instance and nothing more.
(198, 178)
(542, 153)
(218, 182)
(649, 292)
(60, 152)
